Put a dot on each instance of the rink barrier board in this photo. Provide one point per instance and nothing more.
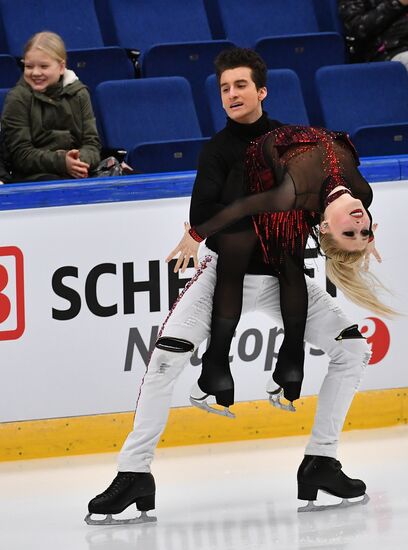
(186, 425)
(191, 426)
(150, 186)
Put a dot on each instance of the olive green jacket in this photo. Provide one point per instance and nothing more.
(39, 128)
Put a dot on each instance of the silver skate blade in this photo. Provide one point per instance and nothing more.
(109, 520)
(202, 404)
(345, 503)
(275, 400)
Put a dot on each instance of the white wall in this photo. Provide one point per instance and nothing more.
(74, 367)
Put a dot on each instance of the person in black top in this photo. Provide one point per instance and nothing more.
(376, 30)
(219, 181)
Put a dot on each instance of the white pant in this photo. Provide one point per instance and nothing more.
(190, 320)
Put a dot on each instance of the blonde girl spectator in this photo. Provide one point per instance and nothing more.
(48, 124)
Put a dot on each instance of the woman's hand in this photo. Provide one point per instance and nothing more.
(186, 249)
(371, 250)
(75, 167)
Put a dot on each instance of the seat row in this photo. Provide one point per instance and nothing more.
(155, 119)
(110, 39)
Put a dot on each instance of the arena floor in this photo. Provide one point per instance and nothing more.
(233, 496)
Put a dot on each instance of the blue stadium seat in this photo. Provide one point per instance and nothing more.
(74, 20)
(77, 23)
(154, 119)
(245, 22)
(3, 42)
(214, 19)
(194, 61)
(3, 93)
(369, 101)
(327, 15)
(284, 101)
(139, 25)
(173, 38)
(9, 71)
(96, 65)
(304, 54)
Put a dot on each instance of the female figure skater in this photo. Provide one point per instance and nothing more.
(298, 178)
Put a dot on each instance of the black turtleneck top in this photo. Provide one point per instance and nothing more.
(220, 179)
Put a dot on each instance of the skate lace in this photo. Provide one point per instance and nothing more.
(116, 486)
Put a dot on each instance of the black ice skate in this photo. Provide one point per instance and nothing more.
(287, 379)
(325, 474)
(127, 488)
(204, 401)
(276, 394)
(216, 378)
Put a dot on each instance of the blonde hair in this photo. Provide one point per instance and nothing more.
(48, 42)
(346, 270)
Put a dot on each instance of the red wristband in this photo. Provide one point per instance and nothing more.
(193, 233)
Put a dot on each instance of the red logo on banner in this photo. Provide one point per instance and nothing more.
(12, 320)
(378, 336)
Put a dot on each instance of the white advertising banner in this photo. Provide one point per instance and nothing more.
(84, 289)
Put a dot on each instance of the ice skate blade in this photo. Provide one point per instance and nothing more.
(202, 404)
(109, 520)
(345, 503)
(275, 400)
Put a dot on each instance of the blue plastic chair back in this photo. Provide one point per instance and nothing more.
(194, 61)
(139, 25)
(363, 94)
(368, 100)
(9, 71)
(96, 65)
(328, 16)
(146, 110)
(246, 21)
(304, 54)
(74, 20)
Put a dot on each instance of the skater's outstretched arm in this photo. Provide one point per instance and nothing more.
(277, 199)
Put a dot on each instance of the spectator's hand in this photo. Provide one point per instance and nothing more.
(186, 249)
(75, 167)
(404, 2)
(371, 251)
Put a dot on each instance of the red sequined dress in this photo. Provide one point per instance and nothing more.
(290, 172)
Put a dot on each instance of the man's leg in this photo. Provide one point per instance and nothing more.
(329, 329)
(185, 327)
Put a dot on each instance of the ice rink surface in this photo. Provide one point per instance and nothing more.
(227, 496)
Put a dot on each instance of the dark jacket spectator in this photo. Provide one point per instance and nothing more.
(5, 176)
(47, 122)
(376, 30)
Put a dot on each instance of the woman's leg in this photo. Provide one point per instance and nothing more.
(235, 250)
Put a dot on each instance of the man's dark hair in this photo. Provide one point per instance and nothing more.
(242, 57)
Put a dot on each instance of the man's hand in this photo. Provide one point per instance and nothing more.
(75, 167)
(403, 2)
(186, 249)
